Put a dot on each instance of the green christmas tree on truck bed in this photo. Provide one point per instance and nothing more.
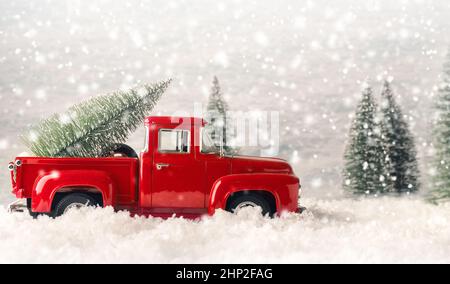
(96, 126)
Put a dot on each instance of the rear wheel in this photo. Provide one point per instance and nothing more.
(249, 200)
(32, 214)
(72, 202)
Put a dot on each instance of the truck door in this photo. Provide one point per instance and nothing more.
(178, 178)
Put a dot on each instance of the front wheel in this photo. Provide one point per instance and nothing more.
(250, 200)
(73, 201)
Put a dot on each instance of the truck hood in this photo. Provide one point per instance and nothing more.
(247, 164)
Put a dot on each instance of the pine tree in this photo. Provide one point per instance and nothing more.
(441, 182)
(95, 126)
(401, 166)
(364, 157)
(216, 112)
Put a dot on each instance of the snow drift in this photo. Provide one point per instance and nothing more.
(386, 230)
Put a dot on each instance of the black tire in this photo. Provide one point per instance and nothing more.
(32, 214)
(122, 150)
(71, 199)
(260, 201)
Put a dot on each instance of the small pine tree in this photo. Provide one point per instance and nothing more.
(95, 126)
(441, 182)
(216, 113)
(401, 166)
(364, 162)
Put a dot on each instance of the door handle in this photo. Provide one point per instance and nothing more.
(161, 166)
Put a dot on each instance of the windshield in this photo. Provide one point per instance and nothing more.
(208, 145)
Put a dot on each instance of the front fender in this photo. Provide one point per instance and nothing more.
(283, 187)
(48, 184)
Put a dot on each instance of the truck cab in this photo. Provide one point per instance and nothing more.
(180, 171)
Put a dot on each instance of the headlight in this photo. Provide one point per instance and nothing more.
(11, 167)
(18, 163)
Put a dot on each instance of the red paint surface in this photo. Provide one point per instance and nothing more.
(193, 184)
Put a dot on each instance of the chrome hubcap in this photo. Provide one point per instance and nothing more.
(74, 206)
(244, 205)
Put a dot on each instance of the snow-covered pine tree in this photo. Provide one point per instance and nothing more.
(364, 157)
(401, 166)
(216, 113)
(95, 126)
(441, 181)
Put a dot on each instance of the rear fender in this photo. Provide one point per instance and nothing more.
(47, 185)
(284, 189)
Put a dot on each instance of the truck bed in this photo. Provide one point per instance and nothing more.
(122, 171)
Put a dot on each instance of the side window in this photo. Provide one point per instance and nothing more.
(174, 141)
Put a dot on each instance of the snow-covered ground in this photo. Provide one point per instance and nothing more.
(385, 230)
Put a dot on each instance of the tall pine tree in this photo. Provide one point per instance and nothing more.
(95, 126)
(216, 112)
(364, 157)
(441, 182)
(402, 169)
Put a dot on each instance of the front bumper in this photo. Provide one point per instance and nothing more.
(19, 205)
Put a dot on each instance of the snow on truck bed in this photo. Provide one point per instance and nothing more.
(367, 231)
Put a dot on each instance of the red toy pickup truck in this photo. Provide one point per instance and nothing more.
(179, 172)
